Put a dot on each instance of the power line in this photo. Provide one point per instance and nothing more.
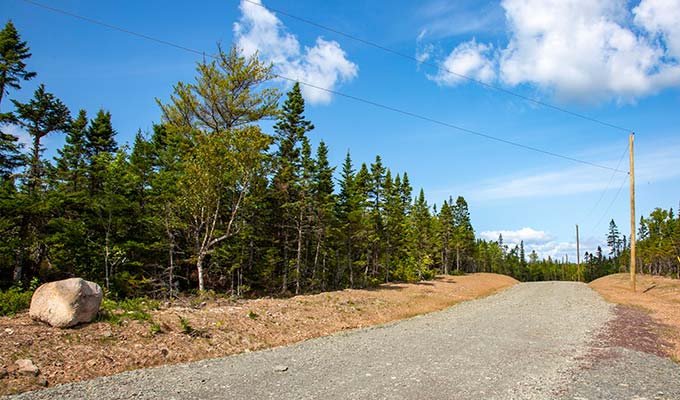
(597, 225)
(429, 64)
(355, 98)
(611, 179)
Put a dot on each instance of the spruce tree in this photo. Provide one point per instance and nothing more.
(42, 115)
(100, 145)
(13, 52)
(71, 162)
(614, 239)
(464, 235)
(291, 129)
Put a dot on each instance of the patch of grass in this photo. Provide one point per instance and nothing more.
(137, 308)
(155, 328)
(185, 326)
(252, 315)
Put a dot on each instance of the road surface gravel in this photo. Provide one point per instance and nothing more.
(531, 341)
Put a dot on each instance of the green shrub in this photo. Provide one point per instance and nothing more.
(136, 308)
(13, 300)
(186, 328)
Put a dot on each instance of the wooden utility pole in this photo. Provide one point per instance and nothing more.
(578, 256)
(632, 214)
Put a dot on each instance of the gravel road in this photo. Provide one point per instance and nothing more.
(528, 342)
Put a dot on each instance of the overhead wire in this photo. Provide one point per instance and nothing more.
(611, 179)
(352, 97)
(441, 67)
(616, 196)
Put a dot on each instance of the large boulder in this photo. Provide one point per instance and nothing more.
(66, 303)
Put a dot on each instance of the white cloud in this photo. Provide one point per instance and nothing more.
(542, 243)
(526, 234)
(661, 17)
(444, 18)
(325, 64)
(17, 131)
(587, 50)
(470, 59)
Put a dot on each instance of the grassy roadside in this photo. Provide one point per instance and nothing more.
(192, 330)
(658, 296)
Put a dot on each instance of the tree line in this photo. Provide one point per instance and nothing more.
(210, 201)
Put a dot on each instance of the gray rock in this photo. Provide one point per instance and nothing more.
(3, 372)
(66, 303)
(280, 368)
(26, 367)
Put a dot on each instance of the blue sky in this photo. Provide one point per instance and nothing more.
(612, 60)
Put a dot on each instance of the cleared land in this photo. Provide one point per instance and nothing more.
(523, 343)
(218, 327)
(657, 296)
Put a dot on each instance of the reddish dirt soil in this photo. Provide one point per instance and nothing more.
(219, 327)
(649, 318)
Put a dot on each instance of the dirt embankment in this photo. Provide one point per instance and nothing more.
(217, 328)
(658, 296)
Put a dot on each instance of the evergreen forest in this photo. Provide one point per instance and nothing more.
(210, 200)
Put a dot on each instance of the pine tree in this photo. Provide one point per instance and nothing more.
(100, 144)
(324, 200)
(376, 199)
(13, 52)
(41, 116)
(348, 214)
(464, 235)
(10, 155)
(614, 239)
(71, 162)
(446, 227)
(291, 129)
(422, 234)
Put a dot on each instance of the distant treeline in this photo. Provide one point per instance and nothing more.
(209, 201)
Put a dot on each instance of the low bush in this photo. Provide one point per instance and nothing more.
(14, 300)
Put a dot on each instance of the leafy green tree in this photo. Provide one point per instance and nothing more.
(223, 151)
(13, 52)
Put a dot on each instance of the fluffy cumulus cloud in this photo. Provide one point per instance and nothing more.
(469, 59)
(324, 64)
(580, 49)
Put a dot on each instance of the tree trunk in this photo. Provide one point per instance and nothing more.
(199, 269)
(457, 259)
(349, 263)
(284, 287)
(107, 266)
(298, 256)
